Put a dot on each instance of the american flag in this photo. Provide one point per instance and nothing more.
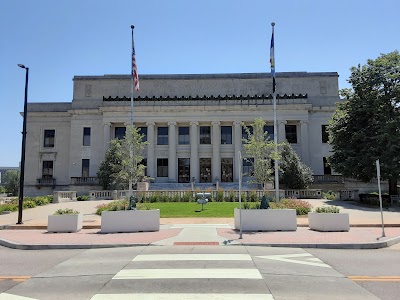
(272, 59)
(135, 75)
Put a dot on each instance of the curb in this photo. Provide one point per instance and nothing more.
(17, 246)
(372, 245)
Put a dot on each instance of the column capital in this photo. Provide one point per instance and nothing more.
(150, 123)
(237, 123)
(215, 123)
(194, 123)
(304, 122)
(106, 124)
(171, 123)
(282, 122)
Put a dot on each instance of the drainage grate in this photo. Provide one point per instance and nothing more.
(196, 243)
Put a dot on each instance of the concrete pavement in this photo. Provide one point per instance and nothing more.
(365, 231)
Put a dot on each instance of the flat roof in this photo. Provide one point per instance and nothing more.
(210, 76)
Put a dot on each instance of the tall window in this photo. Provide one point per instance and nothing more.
(120, 132)
(47, 170)
(49, 136)
(226, 135)
(183, 138)
(327, 167)
(325, 135)
(86, 136)
(270, 130)
(205, 135)
(162, 167)
(291, 133)
(248, 168)
(226, 169)
(183, 169)
(143, 130)
(162, 136)
(144, 163)
(85, 167)
(244, 133)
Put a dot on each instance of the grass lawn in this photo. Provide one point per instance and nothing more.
(188, 209)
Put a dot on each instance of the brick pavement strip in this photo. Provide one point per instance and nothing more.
(85, 237)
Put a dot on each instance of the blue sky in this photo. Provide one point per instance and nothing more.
(60, 39)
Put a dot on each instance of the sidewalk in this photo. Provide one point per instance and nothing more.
(365, 232)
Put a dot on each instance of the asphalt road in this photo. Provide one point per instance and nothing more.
(236, 272)
(381, 268)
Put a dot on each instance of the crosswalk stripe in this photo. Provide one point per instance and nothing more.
(188, 274)
(183, 296)
(195, 257)
(6, 296)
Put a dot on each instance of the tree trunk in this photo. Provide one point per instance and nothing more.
(393, 187)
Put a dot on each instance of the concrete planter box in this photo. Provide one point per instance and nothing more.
(266, 219)
(328, 221)
(130, 221)
(64, 223)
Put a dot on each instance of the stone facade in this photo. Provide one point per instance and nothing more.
(193, 125)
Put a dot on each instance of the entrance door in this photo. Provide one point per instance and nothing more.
(327, 167)
(205, 170)
(227, 170)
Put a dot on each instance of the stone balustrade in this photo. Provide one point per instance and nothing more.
(64, 196)
(305, 194)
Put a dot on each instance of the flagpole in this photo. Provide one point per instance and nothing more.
(378, 173)
(131, 123)
(276, 163)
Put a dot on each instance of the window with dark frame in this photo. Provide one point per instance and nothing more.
(47, 170)
(325, 135)
(183, 137)
(86, 136)
(270, 130)
(245, 136)
(120, 132)
(144, 163)
(143, 131)
(162, 136)
(248, 166)
(85, 167)
(205, 135)
(226, 135)
(162, 167)
(291, 133)
(183, 169)
(49, 137)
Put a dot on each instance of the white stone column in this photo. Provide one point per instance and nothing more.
(172, 165)
(304, 142)
(150, 150)
(281, 131)
(106, 136)
(194, 151)
(216, 156)
(238, 147)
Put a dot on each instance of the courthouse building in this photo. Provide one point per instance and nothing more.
(193, 124)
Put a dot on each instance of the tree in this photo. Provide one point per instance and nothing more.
(262, 149)
(122, 165)
(11, 181)
(294, 173)
(366, 126)
(110, 166)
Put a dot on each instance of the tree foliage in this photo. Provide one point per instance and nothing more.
(11, 181)
(294, 173)
(123, 161)
(366, 126)
(262, 149)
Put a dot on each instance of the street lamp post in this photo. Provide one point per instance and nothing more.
(22, 172)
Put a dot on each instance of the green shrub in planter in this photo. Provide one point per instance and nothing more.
(66, 211)
(327, 210)
(82, 198)
(330, 195)
(29, 204)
